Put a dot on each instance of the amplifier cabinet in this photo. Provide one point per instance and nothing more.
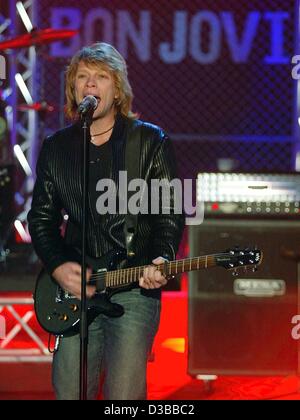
(243, 324)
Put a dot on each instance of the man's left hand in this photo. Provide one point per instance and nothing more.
(152, 278)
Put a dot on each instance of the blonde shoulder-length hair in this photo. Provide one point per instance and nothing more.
(102, 55)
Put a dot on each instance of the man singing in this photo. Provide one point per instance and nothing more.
(118, 347)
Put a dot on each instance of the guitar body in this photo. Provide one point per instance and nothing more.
(59, 313)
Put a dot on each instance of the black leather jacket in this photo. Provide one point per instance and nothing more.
(58, 189)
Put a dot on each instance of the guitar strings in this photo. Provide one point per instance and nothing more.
(102, 275)
(144, 266)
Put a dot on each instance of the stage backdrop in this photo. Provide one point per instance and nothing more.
(215, 75)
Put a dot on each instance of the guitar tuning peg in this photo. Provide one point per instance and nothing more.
(235, 273)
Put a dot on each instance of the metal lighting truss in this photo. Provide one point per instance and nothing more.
(22, 88)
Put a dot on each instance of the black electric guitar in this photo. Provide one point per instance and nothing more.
(59, 313)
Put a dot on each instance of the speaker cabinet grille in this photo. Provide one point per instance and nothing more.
(232, 333)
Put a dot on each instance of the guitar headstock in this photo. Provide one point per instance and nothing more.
(237, 258)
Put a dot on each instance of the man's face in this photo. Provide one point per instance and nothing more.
(92, 80)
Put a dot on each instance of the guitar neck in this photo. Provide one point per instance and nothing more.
(127, 276)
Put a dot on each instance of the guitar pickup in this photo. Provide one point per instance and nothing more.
(99, 278)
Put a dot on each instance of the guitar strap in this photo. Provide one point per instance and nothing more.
(132, 165)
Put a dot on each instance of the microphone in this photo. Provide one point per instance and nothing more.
(88, 105)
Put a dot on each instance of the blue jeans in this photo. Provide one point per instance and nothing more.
(118, 348)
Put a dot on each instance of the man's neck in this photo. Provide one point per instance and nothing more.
(101, 124)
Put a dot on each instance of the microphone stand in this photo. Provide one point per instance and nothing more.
(86, 122)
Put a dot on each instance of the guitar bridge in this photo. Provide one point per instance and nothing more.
(58, 296)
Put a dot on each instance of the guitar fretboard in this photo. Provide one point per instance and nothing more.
(127, 276)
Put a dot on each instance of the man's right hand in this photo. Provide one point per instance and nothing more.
(68, 276)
